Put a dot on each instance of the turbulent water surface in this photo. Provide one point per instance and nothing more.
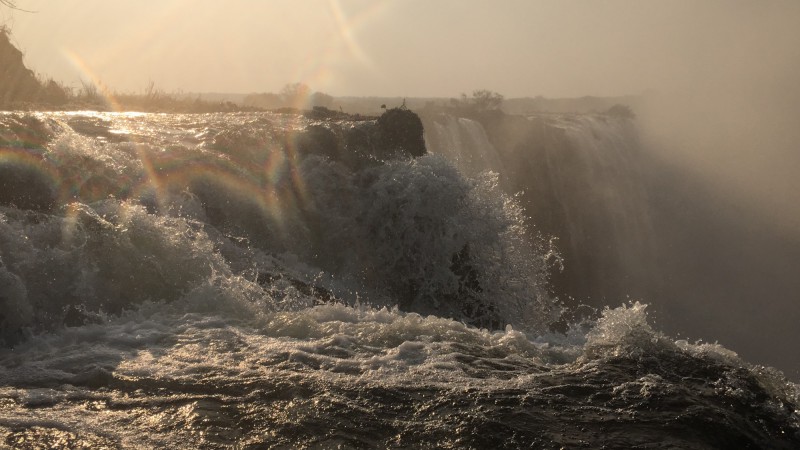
(275, 281)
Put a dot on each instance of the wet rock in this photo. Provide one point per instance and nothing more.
(25, 183)
(317, 139)
(26, 180)
(401, 129)
(319, 294)
(15, 310)
(476, 310)
(78, 315)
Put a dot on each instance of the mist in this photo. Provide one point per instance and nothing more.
(413, 49)
(726, 141)
(732, 116)
(745, 144)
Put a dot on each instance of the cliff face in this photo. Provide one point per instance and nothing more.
(17, 82)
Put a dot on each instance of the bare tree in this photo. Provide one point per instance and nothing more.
(485, 100)
(482, 100)
(9, 3)
(295, 94)
(12, 4)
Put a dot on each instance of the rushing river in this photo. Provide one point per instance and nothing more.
(276, 281)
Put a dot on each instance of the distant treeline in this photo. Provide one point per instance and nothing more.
(586, 104)
(22, 89)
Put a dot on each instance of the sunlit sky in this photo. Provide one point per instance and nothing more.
(412, 48)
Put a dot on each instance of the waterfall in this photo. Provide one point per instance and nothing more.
(464, 142)
(630, 225)
(580, 180)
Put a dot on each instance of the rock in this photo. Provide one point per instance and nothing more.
(15, 310)
(24, 182)
(476, 310)
(26, 179)
(401, 129)
(320, 295)
(317, 139)
(18, 84)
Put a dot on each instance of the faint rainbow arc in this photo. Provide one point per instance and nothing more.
(85, 69)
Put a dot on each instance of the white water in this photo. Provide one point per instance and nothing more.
(139, 310)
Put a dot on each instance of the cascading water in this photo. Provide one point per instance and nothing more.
(630, 225)
(464, 142)
(273, 281)
(580, 179)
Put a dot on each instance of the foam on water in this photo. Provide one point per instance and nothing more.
(164, 341)
(192, 377)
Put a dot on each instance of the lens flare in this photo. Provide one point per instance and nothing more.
(94, 85)
(343, 47)
(273, 192)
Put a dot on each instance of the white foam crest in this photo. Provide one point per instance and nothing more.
(162, 341)
(335, 341)
(623, 331)
(417, 230)
(107, 257)
(93, 169)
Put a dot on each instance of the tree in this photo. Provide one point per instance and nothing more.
(295, 94)
(12, 4)
(482, 100)
(321, 99)
(266, 100)
(486, 100)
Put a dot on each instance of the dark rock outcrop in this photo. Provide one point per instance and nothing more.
(17, 82)
(358, 141)
(401, 129)
(317, 139)
(26, 187)
(26, 180)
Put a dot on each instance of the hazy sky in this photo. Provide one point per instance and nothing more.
(726, 73)
(411, 47)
